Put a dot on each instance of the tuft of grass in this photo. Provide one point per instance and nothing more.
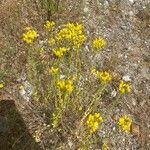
(51, 6)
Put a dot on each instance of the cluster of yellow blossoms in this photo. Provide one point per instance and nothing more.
(103, 76)
(65, 85)
(49, 25)
(105, 147)
(54, 70)
(51, 41)
(93, 122)
(124, 87)
(125, 123)
(59, 52)
(29, 35)
(98, 43)
(72, 33)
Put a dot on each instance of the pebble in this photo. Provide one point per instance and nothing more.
(62, 76)
(126, 78)
(114, 128)
(131, 1)
(134, 102)
(113, 93)
(85, 9)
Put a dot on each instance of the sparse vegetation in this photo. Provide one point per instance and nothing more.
(64, 74)
(63, 52)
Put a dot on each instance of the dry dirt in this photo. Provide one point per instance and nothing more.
(125, 24)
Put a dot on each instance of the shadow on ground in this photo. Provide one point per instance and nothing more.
(14, 134)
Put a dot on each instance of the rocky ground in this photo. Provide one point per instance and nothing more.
(125, 24)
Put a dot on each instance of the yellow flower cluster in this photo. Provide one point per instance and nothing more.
(1, 85)
(59, 52)
(49, 25)
(54, 70)
(124, 87)
(65, 85)
(125, 123)
(29, 35)
(105, 147)
(72, 33)
(51, 41)
(104, 76)
(93, 121)
(98, 43)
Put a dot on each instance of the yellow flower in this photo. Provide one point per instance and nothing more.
(69, 86)
(93, 122)
(105, 147)
(59, 52)
(124, 87)
(125, 123)
(54, 70)
(65, 85)
(49, 25)
(1, 85)
(104, 76)
(72, 33)
(51, 41)
(29, 35)
(98, 43)
(93, 71)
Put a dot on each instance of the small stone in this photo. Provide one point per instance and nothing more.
(131, 1)
(125, 56)
(22, 92)
(134, 102)
(62, 76)
(126, 78)
(131, 13)
(85, 9)
(114, 128)
(113, 93)
(70, 143)
(106, 3)
(148, 125)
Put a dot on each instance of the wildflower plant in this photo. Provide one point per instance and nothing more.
(93, 121)
(65, 85)
(49, 25)
(98, 43)
(54, 70)
(61, 54)
(29, 35)
(104, 76)
(125, 123)
(51, 41)
(124, 87)
(72, 33)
